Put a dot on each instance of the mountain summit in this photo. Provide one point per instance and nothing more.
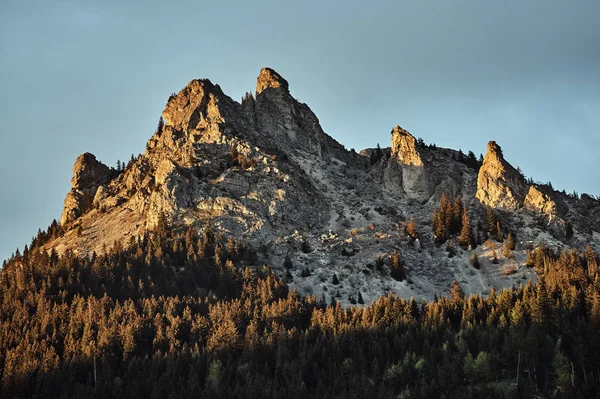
(263, 171)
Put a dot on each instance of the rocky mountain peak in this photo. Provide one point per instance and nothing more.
(493, 149)
(404, 147)
(499, 184)
(286, 123)
(269, 79)
(88, 175)
(199, 104)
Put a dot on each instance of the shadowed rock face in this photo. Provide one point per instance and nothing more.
(285, 123)
(499, 185)
(88, 175)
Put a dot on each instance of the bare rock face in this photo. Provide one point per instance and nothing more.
(499, 185)
(285, 123)
(199, 105)
(404, 147)
(88, 175)
(540, 200)
(269, 79)
(543, 201)
(405, 170)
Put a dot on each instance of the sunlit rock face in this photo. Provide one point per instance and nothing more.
(499, 185)
(88, 175)
(404, 147)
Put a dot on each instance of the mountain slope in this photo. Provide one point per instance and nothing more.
(265, 172)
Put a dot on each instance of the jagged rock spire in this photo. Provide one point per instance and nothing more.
(499, 185)
(88, 175)
(404, 147)
(269, 79)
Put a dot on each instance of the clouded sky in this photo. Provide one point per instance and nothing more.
(94, 76)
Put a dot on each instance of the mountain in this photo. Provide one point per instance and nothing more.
(263, 171)
(170, 276)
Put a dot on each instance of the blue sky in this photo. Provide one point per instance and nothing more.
(95, 75)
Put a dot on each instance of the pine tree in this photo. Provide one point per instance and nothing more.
(569, 231)
(335, 280)
(361, 301)
(457, 215)
(161, 125)
(446, 214)
(466, 235)
(411, 229)
(475, 260)
(397, 270)
(457, 295)
(287, 262)
(510, 242)
(491, 220)
(499, 232)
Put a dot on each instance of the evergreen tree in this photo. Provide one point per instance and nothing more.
(287, 262)
(161, 125)
(396, 267)
(411, 229)
(475, 260)
(499, 232)
(457, 215)
(335, 280)
(466, 238)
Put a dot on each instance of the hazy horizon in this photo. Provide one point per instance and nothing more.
(95, 77)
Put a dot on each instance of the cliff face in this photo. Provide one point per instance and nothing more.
(88, 176)
(500, 185)
(264, 171)
(404, 147)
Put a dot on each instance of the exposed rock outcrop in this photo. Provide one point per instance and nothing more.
(499, 185)
(543, 201)
(269, 79)
(286, 124)
(539, 199)
(200, 105)
(404, 147)
(88, 175)
(264, 171)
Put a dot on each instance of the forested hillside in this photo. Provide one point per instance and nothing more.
(178, 314)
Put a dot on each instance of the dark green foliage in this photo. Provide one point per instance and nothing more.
(396, 267)
(475, 260)
(335, 280)
(379, 263)
(376, 156)
(569, 231)
(161, 125)
(450, 249)
(306, 247)
(287, 262)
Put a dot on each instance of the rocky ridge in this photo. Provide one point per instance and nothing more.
(264, 171)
